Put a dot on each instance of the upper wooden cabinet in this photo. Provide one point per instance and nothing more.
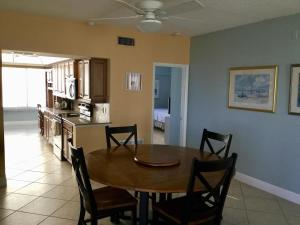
(59, 73)
(93, 80)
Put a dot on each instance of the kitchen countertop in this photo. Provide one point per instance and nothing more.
(76, 120)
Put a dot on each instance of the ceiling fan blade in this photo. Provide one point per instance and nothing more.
(131, 6)
(184, 7)
(184, 18)
(115, 18)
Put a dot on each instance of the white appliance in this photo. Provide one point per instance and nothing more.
(71, 88)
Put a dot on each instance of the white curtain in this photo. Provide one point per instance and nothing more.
(23, 87)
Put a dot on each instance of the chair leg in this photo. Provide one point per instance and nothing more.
(81, 215)
(154, 218)
(162, 197)
(136, 194)
(153, 197)
(94, 221)
(134, 217)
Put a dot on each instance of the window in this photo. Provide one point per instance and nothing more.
(23, 87)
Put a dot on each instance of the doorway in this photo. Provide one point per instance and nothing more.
(169, 108)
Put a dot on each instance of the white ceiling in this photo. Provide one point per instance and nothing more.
(217, 14)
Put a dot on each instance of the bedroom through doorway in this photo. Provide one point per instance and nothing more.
(169, 104)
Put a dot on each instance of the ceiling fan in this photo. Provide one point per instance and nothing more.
(152, 13)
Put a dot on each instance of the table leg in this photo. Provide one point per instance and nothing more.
(144, 205)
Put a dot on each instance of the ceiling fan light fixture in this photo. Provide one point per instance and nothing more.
(150, 25)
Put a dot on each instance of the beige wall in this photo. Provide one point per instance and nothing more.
(49, 35)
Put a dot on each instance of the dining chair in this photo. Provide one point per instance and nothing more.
(111, 131)
(222, 145)
(102, 202)
(40, 119)
(199, 207)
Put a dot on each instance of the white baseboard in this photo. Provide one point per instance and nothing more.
(278, 191)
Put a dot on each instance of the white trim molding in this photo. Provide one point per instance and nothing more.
(184, 98)
(278, 191)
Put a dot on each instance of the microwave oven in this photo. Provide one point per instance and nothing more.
(71, 88)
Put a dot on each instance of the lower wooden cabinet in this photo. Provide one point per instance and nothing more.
(67, 134)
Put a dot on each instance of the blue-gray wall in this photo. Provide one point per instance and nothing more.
(268, 144)
(163, 75)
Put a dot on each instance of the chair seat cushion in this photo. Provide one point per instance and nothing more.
(110, 198)
(174, 210)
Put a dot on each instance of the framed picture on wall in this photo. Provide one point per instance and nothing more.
(133, 81)
(294, 106)
(253, 88)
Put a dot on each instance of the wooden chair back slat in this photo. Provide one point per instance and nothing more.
(225, 141)
(214, 196)
(110, 131)
(83, 181)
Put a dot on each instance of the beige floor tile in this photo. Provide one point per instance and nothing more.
(235, 201)
(62, 192)
(293, 220)
(20, 218)
(76, 198)
(43, 206)
(158, 137)
(261, 204)
(53, 179)
(29, 176)
(289, 208)
(15, 201)
(35, 189)
(69, 211)
(69, 182)
(14, 185)
(5, 213)
(235, 216)
(12, 172)
(262, 218)
(249, 191)
(235, 189)
(58, 221)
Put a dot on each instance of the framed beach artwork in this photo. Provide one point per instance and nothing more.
(133, 81)
(294, 106)
(253, 88)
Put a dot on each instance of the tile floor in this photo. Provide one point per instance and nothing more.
(42, 190)
(158, 136)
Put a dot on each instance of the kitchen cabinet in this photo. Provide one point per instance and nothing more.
(59, 72)
(67, 134)
(93, 77)
(48, 132)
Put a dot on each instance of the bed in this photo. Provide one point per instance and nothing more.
(159, 117)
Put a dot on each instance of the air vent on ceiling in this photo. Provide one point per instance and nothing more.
(126, 41)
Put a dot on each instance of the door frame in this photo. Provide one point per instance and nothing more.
(184, 98)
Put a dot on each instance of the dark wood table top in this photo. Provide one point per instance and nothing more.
(118, 167)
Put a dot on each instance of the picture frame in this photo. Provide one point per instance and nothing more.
(294, 103)
(156, 89)
(133, 81)
(253, 88)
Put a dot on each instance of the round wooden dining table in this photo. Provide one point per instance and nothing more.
(147, 168)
